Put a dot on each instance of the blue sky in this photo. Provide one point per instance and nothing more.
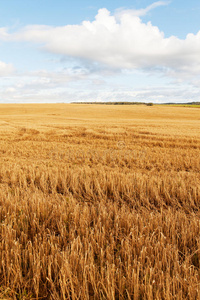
(66, 51)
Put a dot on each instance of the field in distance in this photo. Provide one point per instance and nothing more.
(99, 202)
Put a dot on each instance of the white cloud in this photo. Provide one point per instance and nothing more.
(44, 86)
(64, 85)
(101, 48)
(123, 42)
(143, 11)
(6, 69)
(4, 33)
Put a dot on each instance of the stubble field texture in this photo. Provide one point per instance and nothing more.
(99, 202)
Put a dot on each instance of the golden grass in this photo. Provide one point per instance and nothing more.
(99, 202)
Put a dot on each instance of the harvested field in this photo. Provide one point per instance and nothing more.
(99, 202)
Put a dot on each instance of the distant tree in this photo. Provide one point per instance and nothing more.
(150, 104)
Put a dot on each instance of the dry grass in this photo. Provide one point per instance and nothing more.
(99, 202)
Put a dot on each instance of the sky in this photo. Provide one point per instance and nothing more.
(73, 51)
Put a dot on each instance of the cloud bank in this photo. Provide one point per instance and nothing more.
(119, 41)
(103, 50)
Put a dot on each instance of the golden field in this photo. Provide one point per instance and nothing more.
(99, 202)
